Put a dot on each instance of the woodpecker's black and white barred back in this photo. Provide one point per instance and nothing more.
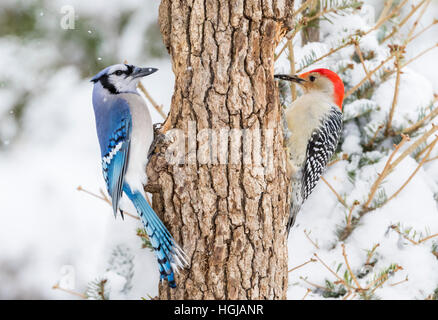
(320, 149)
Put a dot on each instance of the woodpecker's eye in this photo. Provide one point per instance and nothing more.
(118, 73)
(312, 78)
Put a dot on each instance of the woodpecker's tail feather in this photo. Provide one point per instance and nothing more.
(296, 200)
(294, 209)
(169, 255)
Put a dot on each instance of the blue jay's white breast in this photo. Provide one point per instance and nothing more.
(141, 139)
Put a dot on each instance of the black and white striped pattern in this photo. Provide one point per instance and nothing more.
(320, 149)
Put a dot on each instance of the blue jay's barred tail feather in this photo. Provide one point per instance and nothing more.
(169, 255)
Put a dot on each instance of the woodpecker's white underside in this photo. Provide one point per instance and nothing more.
(303, 116)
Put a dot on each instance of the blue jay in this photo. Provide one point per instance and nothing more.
(125, 133)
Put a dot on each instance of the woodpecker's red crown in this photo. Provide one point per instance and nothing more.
(338, 85)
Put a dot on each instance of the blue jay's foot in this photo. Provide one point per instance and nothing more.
(158, 139)
(157, 127)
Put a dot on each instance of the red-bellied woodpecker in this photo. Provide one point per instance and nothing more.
(314, 121)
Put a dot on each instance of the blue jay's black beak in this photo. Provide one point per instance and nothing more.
(142, 72)
(289, 78)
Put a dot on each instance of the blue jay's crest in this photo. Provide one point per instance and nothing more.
(121, 78)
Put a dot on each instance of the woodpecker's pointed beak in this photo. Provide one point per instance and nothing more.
(286, 77)
(142, 72)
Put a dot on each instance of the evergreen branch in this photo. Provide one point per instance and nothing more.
(434, 22)
(399, 25)
(384, 277)
(352, 39)
(422, 121)
(371, 253)
(293, 88)
(415, 171)
(415, 145)
(145, 238)
(303, 7)
(308, 237)
(104, 198)
(303, 264)
(333, 50)
(384, 173)
(97, 290)
(331, 271)
(312, 284)
(428, 238)
(397, 229)
(307, 19)
(398, 56)
(358, 108)
(359, 53)
(385, 9)
(334, 8)
(399, 282)
(307, 293)
(334, 191)
(152, 101)
(348, 227)
(370, 143)
(419, 55)
(393, 13)
(358, 287)
(78, 294)
(357, 86)
(415, 24)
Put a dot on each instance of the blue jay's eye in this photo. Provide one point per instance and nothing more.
(118, 73)
(312, 78)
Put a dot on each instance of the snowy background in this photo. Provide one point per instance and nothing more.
(52, 233)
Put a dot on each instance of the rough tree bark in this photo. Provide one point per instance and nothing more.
(230, 213)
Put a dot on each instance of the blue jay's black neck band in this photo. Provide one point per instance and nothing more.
(107, 85)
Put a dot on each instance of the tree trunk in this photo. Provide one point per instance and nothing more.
(226, 201)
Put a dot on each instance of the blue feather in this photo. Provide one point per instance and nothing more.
(167, 251)
(114, 137)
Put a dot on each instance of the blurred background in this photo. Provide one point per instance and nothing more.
(51, 233)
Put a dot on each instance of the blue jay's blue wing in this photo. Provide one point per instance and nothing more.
(115, 162)
(114, 125)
